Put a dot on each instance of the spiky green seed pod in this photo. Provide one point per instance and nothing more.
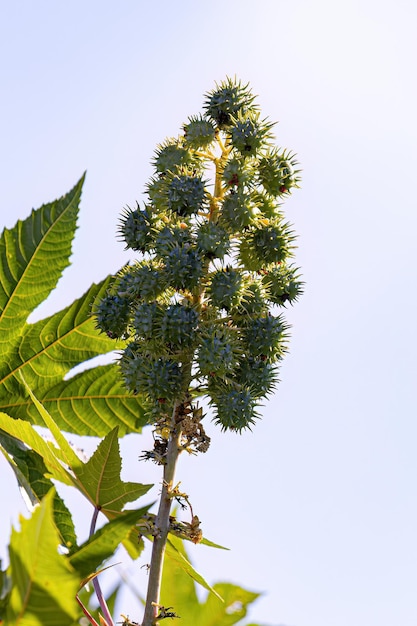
(257, 375)
(159, 380)
(183, 268)
(156, 190)
(267, 205)
(248, 134)
(217, 353)
(213, 240)
(179, 326)
(172, 237)
(147, 320)
(238, 174)
(266, 245)
(186, 195)
(283, 285)
(252, 304)
(265, 338)
(234, 409)
(172, 155)
(199, 132)
(136, 229)
(272, 243)
(225, 289)
(112, 314)
(164, 380)
(144, 281)
(237, 211)
(277, 172)
(225, 102)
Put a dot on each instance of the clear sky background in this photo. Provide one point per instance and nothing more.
(318, 504)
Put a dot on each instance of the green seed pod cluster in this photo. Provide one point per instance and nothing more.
(198, 309)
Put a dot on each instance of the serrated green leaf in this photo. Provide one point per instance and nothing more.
(30, 471)
(64, 451)
(26, 433)
(44, 583)
(48, 349)
(19, 458)
(91, 403)
(233, 608)
(104, 542)
(176, 552)
(33, 255)
(178, 587)
(211, 544)
(100, 478)
(179, 591)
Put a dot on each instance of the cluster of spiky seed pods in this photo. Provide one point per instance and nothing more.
(199, 307)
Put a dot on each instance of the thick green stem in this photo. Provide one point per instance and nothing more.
(161, 529)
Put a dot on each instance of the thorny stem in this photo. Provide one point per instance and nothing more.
(161, 527)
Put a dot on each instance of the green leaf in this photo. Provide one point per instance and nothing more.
(232, 610)
(176, 552)
(64, 451)
(26, 433)
(30, 471)
(33, 255)
(179, 591)
(100, 478)
(44, 583)
(211, 544)
(90, 403)
(51, 347)
(104, 542)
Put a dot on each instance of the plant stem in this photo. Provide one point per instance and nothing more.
(101, 599)
(161, 528)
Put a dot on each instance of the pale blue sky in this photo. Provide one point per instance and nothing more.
(318, 504)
